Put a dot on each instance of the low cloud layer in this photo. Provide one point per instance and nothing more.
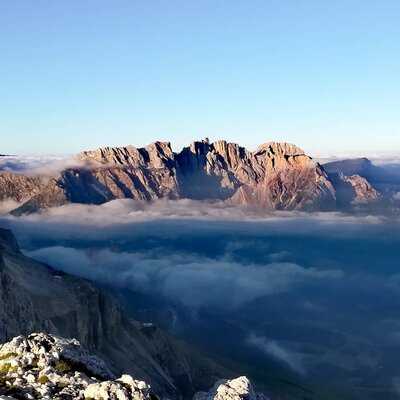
(196, 253)
(183, 278)
(118, 215)
(45, 165)
(8, 205)
(293, 287)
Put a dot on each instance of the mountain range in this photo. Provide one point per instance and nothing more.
(275, 176)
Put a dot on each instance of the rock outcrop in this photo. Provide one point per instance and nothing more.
(364, 192)
(353, 190)
(43, 366)
(276, 176)
(235, 389)
(34, 297)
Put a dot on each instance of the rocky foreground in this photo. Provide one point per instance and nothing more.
(42, 366)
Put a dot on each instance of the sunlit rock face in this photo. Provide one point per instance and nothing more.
(275, 176)
(234, 389)
(18, 187)
(36, 298)
(287, 179)
(127, 172)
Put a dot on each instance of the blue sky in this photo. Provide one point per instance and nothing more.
(79, 74)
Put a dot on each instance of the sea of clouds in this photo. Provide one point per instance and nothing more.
(210, 255)
(190, 251)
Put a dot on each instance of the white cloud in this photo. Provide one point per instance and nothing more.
(127, 211)
(8, 205)
(44, 165)
(192, 280)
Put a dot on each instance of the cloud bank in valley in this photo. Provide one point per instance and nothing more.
(196, 253)
(292, 287)
(40, 165)
(192, 280)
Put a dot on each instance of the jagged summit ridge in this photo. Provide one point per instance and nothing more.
(283, 148)
(130, 155)
(274, 176)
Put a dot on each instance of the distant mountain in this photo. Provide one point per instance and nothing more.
(34, 297)
(275, 176)
(384, 178)
(356, 166)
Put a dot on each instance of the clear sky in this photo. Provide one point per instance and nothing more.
(78, 74)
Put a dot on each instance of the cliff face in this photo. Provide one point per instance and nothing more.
(276, 175)
(18, 187)
(287, 179)
(33, 297)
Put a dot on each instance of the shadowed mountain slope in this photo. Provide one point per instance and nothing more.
(34, 297)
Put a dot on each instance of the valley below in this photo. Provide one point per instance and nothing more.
(306, 305)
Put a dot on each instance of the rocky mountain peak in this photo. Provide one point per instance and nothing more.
(112, 155)
(198, 147)
(277, 175)
(155, 154)
(356, 166)
(280, 149)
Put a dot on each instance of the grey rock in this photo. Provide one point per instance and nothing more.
(234, 389)
(124, 388)
(44, 366)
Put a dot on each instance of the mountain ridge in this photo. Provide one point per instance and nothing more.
(274, 176)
